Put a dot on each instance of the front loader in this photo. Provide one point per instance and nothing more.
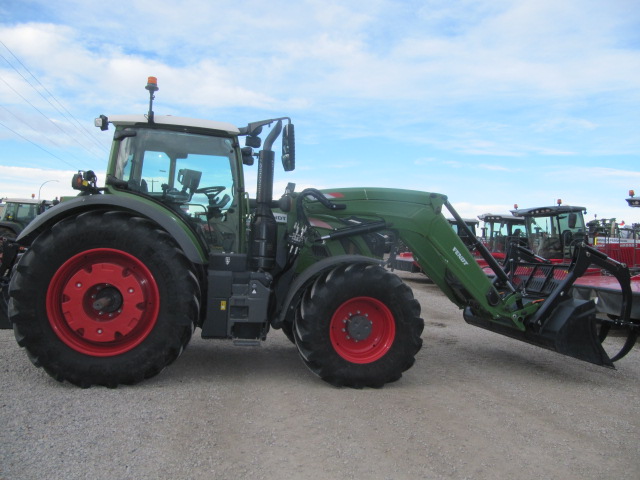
(107, 288)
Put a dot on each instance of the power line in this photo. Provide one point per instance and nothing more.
(69, 117)
(25, 123)
(40, 112)
(43, 115)
(39, 146)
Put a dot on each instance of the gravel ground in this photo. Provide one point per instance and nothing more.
(475, 405)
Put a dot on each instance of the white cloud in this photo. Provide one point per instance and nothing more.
(22, 182)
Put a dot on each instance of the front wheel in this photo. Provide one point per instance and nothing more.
(358, 326)
(103, 299)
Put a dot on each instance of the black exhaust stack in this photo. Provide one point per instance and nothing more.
(263, 225)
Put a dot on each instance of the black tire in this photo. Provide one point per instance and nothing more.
(7, 233)
(103, 298)
(358, 326)
(287, 329)
(5, 324)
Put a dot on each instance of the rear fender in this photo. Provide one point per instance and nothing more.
(164, 217)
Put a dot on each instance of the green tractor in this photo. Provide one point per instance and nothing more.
(17, 213)
(108, 287)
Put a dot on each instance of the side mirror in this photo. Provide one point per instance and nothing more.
(573, 218)
(288, 148)
(253, 141)
(247, 156)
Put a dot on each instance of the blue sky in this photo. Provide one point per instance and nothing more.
(492, 102)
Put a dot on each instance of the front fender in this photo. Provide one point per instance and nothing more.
(166, 218)
(298, 286)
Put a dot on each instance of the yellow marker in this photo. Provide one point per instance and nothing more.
(223, 305)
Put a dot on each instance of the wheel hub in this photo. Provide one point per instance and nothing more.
(107, 299)
(358, 326)
(362, 329)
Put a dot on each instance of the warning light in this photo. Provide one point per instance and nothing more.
(152, 84)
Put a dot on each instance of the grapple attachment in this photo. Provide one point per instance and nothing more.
(563, 323)
(571, 329)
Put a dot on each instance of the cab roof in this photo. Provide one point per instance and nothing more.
(546, 211)
(492, 217)
(23, 200)
(176, 121)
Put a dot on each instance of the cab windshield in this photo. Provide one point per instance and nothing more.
(552, 236)
(502, 232)
(21, 213)
(192, 173)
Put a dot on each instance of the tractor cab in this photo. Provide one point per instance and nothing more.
(554, 231)
(472, 225)
(190, 166)
(632, 201)
(18, 213)
(500, 230)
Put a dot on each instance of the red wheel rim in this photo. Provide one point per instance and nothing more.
(102, 302)
(362, 330)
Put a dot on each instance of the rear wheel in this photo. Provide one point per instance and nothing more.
(4, 282)
(7, 233)
(103, 299)
(4, 301)
(358, 326)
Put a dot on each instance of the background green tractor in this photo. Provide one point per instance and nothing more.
(17, 213)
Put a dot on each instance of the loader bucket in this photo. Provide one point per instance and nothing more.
(569, 330)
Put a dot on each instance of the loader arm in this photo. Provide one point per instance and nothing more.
(418, 220)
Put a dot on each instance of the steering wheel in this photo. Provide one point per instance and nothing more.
(211, 191)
